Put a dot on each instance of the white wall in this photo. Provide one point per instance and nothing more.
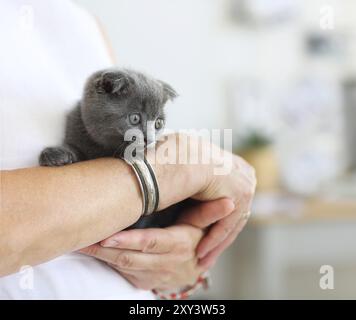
(171, 40)
(195, 47)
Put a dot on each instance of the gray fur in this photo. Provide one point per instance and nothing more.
(96, 126)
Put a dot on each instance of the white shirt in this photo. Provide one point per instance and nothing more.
(48, 48)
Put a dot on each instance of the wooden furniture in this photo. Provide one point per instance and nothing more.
(280, 253)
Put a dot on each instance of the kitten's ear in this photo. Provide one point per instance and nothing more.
(113, 82)
(169, 92)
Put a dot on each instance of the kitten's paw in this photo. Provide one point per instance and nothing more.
(56, 157)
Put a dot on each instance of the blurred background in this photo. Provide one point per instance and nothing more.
(282, 75)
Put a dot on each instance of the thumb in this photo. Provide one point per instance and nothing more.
(206, 213)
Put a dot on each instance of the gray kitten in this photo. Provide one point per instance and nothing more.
(114, 101)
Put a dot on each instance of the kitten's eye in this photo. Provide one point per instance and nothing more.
(159, 124)
(135, 118)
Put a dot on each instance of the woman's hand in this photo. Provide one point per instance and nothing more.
(240, 186)
(162, 266)
(162, 258)
(220, 174)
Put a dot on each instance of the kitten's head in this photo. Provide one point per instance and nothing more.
(116, 101)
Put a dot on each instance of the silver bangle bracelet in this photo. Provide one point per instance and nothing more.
(148, 185)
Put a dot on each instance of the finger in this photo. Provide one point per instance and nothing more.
(209, 259)
(152, 240)
(144, 280)
(137, 282)
(127, 259)
(149, 280)
(222, 229)
(207, 213)
(216, 234)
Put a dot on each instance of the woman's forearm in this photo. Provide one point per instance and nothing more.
(46, 212)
